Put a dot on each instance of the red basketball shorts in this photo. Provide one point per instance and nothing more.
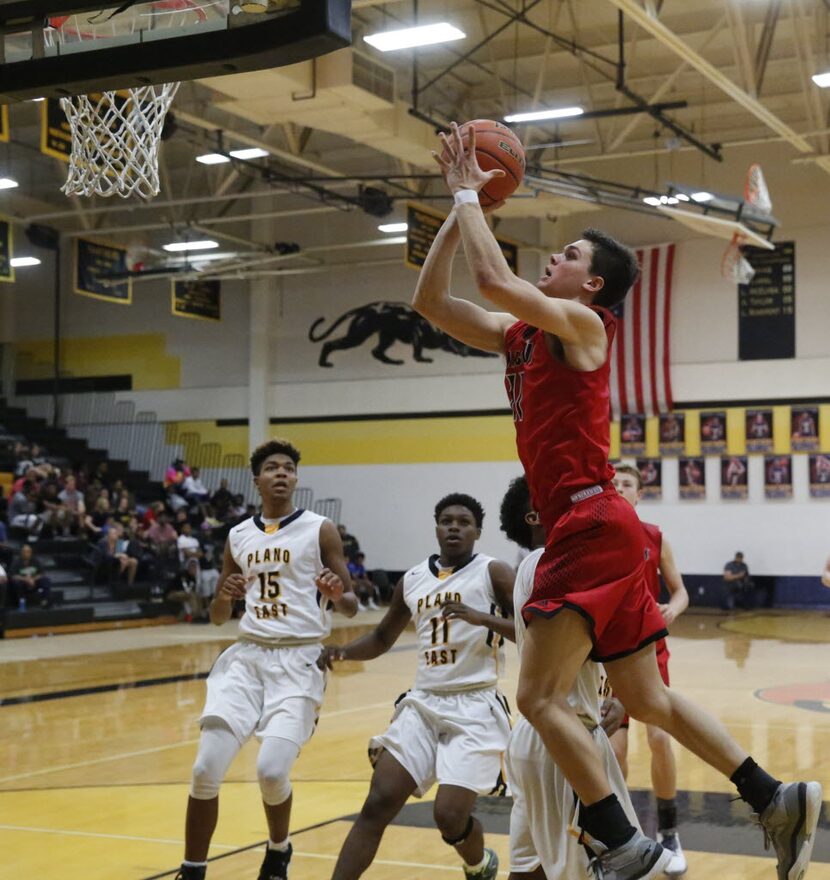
(594, 564)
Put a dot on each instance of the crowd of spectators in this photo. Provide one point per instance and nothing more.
(174, 543)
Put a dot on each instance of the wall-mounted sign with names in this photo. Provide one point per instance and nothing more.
(98, 270)
(4, 123)
(766, 306)
(197, 298)
(422, 226)
(6, 269)
(55, 133)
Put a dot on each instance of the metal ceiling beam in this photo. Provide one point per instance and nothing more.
(765, 43)
(740, 44)
(668, 38)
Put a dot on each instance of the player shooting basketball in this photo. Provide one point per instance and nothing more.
(590, 596)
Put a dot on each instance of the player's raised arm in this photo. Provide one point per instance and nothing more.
(335, 581)
(379, 640)
(230, 587)
(573, 322)
(678, 596)
(460, 318)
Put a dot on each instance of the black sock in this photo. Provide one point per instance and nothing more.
(606, 822)
(754, 785)
(666, 814)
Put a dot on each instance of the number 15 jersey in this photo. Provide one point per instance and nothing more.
(281, 561)
(453, 655)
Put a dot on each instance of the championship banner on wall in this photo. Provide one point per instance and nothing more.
(778, 476)
(758, 430)
(734, 482)
(422, 225)
(651, 473)
(820, 475)
(93, 263)
(672, 433)
(804, 428)
(633, 434)
(713, 431)
(6, 269)
(55, 133)
(4, 123)
(198, 298)
(692, 477)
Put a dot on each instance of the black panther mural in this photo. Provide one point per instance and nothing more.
(392, 322)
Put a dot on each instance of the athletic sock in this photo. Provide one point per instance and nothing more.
(666, 814)
(279, 847)
(754, 785)
(606, 822)
(475, 869)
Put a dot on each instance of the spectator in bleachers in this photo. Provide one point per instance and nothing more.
(98, 521)
(194, 489)
(4, 582)
(174, 478)
(22, 509)
(51, 509)
(124, 514)
(162, 539)
(351, 547)
(101, 474)
(4, 504)
(221, 500)
(190, 552)
(367, 592)
(73, 501)
(237, 510)
(6, 551)
(28, 582)
(113, 551)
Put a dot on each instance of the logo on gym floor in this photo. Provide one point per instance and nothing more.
(813, 696)
(392, 322)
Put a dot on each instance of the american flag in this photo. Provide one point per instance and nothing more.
(640, 371)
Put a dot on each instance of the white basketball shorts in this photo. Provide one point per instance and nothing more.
(545, 806)
(451, 739)
(266, 691)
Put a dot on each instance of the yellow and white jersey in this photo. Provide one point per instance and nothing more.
(453, 655)
(281, 560)
(585, 694)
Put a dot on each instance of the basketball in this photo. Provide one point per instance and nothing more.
(497, 146)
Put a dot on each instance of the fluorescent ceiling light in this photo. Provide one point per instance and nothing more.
(16, 262)
(204, 245)
(212, 159)
(408, 38)
(249, 153)
(702, 197)
(822, 79)
(37, 100)
(203, 258)
(557, 113)
(396, 239)
(393, 227)
(682, 197)
(652, 200)
(7, 183)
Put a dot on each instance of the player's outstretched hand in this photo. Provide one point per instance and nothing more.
(330, 585)
(669, 614)
(458, 162)
(329, 655)
(234, 587)
(460, 611)
(612, 713)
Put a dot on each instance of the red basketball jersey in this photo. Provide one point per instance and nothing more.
(561, 416)
(654, 546)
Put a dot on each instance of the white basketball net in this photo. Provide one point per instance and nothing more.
(115, 141)
(734, 264)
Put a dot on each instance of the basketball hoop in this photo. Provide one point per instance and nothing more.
(116, 134)
(734, 265)
(115, 141)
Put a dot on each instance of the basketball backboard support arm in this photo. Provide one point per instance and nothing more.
(242, 43)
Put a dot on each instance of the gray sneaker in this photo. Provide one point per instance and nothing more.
(640, 859)
(789, 824)
(489, 871)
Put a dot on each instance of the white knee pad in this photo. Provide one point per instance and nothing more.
(218, 746)
(273, 766)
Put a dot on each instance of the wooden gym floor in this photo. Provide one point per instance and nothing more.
(98, 732)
